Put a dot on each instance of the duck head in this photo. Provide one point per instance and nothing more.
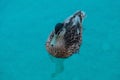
(59, 32)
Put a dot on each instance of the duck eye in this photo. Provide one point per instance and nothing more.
(58, 27)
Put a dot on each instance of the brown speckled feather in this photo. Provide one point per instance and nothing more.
(68, 41)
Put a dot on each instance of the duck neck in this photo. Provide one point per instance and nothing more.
(53, 41)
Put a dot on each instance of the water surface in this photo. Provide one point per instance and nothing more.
(26, 24)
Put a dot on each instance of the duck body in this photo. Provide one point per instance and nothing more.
(66, 38)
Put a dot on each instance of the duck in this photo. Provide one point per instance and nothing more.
(66, 37)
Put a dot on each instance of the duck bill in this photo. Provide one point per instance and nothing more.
(75, 18)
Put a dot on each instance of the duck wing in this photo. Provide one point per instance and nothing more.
(73, 37)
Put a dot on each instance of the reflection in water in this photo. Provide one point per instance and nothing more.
(59, 65)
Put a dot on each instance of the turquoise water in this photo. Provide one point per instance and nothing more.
(26, 24)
